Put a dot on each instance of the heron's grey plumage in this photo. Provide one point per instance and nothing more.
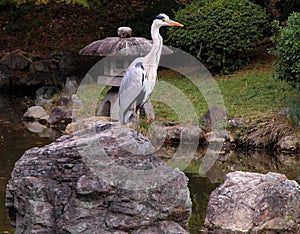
(140, 77)
(132, 90)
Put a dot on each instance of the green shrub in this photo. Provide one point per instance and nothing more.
(219, 32)
(288, 50)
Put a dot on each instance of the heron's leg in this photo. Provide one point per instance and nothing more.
(134, 121)
(138, 122)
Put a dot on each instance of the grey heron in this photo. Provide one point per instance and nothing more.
(140, 77)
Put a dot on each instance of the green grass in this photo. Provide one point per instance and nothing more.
(252, 94)
(162, 109)
(89, 95)
(248, 93)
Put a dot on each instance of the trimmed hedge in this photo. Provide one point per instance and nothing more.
(219, 32)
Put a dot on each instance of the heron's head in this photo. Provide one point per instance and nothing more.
(164, 20)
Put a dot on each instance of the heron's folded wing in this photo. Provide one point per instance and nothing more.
(131, 91)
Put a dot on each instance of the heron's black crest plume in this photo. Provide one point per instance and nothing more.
(159, 17)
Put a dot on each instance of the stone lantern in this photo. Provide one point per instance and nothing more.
(119, 52)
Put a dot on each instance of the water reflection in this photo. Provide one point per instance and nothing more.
(200, 189)
(264, 162)
(14, 140)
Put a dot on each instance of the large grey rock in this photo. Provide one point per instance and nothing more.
(98, 180)
(255, 203)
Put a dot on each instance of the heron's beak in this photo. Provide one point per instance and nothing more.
(174, 23)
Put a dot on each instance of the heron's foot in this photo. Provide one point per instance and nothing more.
(136, 135)
(140, 138)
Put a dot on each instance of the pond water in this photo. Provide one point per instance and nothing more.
(15, 139)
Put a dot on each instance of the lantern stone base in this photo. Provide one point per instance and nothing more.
(109, 106)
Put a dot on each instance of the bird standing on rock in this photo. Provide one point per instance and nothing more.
(140, 77)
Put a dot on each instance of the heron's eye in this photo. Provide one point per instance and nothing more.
(163, 20)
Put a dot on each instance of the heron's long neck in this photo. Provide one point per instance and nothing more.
(154, 55)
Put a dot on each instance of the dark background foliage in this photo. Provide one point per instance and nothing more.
(49, 26)
(56, 26)
(279, 9)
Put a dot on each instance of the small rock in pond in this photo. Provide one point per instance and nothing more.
(34, 113)
(254, 203)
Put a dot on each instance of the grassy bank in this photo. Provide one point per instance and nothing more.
(248, 93)
(252, 93)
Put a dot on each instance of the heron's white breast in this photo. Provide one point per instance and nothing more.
(151, 74)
